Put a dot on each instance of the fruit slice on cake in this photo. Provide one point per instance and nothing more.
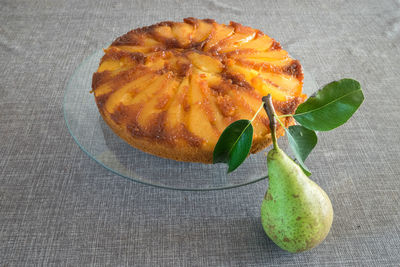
(170, 89)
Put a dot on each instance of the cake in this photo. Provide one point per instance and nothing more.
(170, 89)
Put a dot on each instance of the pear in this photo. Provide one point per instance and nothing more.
(296, 213)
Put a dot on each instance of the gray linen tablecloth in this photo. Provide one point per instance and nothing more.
(58, 207)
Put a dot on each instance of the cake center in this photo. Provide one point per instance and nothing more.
(184, 62)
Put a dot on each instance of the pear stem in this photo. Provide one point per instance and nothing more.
(269, 108)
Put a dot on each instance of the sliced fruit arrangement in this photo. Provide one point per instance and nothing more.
(170, 89)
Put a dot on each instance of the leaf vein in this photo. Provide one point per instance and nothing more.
(313, 110)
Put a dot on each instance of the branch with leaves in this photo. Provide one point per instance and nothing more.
(329, 108)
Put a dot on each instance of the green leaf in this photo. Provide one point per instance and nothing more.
(301, 141)
(234, 144)
(331, 107)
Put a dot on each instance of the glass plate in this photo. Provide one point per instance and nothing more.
(95, 138)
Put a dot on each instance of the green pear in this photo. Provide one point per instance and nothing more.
(296, 213)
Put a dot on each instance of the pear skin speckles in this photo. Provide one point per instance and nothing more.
(295, 213)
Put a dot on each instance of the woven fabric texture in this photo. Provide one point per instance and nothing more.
(60, 208)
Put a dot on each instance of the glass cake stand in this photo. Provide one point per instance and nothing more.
(98, 141)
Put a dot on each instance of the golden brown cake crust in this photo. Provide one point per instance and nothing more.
(170, 89)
